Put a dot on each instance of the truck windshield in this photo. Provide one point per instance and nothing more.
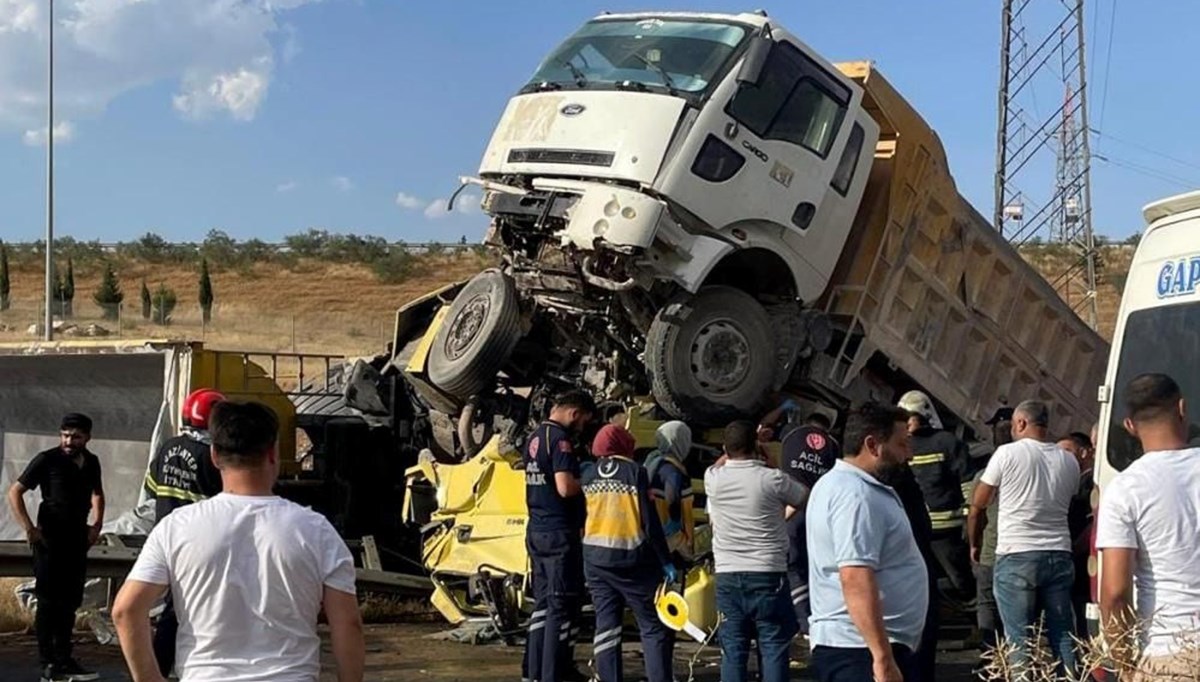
(663, 55)
(1165, 340)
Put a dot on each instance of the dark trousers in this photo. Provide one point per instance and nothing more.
(612, 590)
(59, 567)
(954, 560)
(755, 606)
(836, 664)
(164, 638)
(923, 662)
(798, 584)
(987, 617)
(557, 562)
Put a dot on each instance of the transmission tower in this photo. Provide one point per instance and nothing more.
(1043, 160)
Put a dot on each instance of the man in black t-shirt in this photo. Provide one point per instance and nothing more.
(69, 479)
(553, 535)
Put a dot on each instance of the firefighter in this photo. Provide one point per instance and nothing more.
(182, 472)
(941, 464)
(625, 556)
(552, 536)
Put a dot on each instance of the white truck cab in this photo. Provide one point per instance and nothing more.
(1158, 330)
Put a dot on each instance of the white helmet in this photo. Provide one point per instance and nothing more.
(918, 403)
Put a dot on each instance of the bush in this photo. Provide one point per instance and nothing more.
(109, 295)
(397, 266)
(308, 244)
(220, 248)
(163, 305)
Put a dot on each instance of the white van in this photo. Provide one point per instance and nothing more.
(1158, 330)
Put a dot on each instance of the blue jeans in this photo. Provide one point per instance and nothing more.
(1031, 581)
(755, 606)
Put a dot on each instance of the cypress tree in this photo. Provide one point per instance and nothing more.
(146, 304)
(5, 284)
(206, 292)
(109, 295)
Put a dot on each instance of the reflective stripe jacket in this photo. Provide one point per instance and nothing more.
(182, 473)
(940, 462)
(622, 529)
(674, 500)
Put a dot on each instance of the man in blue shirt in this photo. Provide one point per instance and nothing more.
(868, 583)
(552, 536)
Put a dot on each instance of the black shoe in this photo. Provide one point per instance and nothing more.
(77, 673)
(53, 673)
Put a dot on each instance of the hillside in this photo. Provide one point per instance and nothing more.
(316, 306)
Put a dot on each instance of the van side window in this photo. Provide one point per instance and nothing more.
(794, 101)
(849, 161)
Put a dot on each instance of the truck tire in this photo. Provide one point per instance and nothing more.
(711, 356)
(477, 337)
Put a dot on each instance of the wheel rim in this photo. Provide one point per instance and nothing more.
(465, 326)
(720, 357)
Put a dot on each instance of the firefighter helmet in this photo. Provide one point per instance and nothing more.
(198, 405)
(916, 402)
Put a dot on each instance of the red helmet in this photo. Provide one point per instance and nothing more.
(198, 405)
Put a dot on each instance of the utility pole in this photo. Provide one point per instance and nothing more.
(1039, 150)
(49, 321)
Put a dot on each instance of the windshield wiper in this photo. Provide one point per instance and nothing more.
(580, 79)
(666, 78)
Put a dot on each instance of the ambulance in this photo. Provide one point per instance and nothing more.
(1158, 330)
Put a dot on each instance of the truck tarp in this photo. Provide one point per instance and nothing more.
(131, 394)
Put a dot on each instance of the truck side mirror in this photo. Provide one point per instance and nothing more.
(755, 59)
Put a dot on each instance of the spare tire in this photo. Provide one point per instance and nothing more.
(711, 356)
(477, 336)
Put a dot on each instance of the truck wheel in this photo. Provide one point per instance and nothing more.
(711, 357)
(477, 337)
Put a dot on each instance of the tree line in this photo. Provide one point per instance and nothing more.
(157, 306)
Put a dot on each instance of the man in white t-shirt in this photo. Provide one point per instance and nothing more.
(1149, 536)
(1035, 481)
(248, 572)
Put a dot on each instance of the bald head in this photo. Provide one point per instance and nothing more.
(1031, 419)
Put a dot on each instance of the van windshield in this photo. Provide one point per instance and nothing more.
(1164, 340)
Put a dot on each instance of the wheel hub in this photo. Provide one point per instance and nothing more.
(720, 356)
(466, 325)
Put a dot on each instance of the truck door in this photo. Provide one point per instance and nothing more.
(783, 131)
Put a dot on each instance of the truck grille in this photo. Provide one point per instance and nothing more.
(576, 157)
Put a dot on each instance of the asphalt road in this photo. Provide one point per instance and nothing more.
(406, 653)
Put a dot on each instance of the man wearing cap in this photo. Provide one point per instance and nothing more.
(69, 479)
(987, 617)
(625, 556)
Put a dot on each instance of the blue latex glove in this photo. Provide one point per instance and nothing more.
(790, 405)
(672, 527)
(671, 574)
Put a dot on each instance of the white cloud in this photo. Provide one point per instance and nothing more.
(286, 186)
(221, 53)
(341, 183)
(465, 204)
(239, 93)
(64, 131)
(408, 201)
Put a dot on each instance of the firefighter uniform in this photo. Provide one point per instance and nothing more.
(940, 463)
(182, 473)
(625, 556)
(555, 553)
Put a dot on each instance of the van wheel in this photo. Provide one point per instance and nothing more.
(477, 336)
(711, 357)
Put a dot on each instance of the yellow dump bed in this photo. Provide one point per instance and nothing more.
(926, 281)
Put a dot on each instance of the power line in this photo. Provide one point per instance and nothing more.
(1152, 173)
(1112, 24)
(1148, 150)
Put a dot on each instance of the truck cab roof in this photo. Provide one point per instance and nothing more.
(748, 18)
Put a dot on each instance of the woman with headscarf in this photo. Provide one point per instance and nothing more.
(671, 488)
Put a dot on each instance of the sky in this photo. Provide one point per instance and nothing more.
(264, 118)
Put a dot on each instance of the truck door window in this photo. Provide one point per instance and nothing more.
(794, 101)
(1165, 339)
(849, 161)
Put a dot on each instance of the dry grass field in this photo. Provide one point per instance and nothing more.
(312, 306)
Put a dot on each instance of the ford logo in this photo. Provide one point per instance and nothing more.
(572, 110)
